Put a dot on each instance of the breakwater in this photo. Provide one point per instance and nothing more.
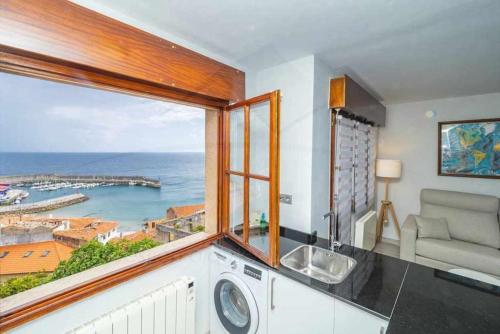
(52, 178)
(46, 205)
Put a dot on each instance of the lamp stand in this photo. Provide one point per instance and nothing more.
(384, 213)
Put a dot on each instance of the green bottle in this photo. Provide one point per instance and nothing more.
(263, 223)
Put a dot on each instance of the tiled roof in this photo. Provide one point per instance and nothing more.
(89, 231)
(137, 236)
(45, 257)
(15, 230)
(104, 227)
(187, 210)
(86, 234)
(77, 223)
(30, 221)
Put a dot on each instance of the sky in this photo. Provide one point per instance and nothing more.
(44, 116)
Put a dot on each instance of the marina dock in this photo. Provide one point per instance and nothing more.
(54, 178)
(46, 205)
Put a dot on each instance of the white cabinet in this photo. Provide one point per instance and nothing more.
(352, 320)
(296, 308)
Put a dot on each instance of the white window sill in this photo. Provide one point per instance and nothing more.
(44, 291)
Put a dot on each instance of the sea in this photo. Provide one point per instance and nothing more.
(181, 176)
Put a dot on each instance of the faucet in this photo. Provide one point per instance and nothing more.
(333, 243)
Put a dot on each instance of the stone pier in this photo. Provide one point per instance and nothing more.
(46, 205)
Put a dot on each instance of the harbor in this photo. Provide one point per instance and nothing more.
(41, 206)
(77, 181)
(66, 188)
(11, 196)
(130, 188)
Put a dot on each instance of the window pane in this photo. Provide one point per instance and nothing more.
(259, 215)
(237, 139)
(259, 138)
(236, 204)
(86, 172)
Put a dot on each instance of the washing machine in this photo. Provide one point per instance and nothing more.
(238, 289)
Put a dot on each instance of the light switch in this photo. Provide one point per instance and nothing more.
(287, 199)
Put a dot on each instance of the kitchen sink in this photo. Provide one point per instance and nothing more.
(318, 263)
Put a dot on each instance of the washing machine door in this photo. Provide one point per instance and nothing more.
(235, 305)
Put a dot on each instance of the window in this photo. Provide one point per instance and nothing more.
(28, 254)
(251, 180)
(189, 77)
(86, 170)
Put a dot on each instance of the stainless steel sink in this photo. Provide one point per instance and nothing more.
(318, 263)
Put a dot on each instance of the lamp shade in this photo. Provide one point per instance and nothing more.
(388, 168)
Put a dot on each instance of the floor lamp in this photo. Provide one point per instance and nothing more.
(387, 169)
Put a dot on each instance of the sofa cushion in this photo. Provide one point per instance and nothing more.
(461, 253)
(436, 228)
(470, 217)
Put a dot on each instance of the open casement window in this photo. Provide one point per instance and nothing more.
(251, 175)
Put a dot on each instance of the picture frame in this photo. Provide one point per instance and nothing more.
(469, 148)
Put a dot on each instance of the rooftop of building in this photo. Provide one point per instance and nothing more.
(19, 229)
(32, 257)
(31, 221)
(137, 236)
(87, 231)
(186, 210)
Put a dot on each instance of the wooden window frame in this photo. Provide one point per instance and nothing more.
(54, 40)
(273, 178)
(12, 318)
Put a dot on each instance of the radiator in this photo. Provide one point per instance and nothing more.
(365, 231)
(168, 310)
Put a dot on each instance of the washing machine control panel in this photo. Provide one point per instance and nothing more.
(252, 272)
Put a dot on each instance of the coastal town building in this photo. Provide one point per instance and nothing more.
(30, 258)
(72, 231)
(136, 236)
(20, 229)
(184, 211)
(14, 234)
(181, 221)
(82, 230)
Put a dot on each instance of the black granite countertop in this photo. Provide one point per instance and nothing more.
(416, 299)
(373, 284)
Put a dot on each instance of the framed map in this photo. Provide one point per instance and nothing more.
(469, 148)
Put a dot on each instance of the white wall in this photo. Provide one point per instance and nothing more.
(412, 138)
(320, 183)
(67, 318)
(304, 137)
(295, 80)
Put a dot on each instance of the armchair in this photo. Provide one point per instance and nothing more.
(473, 223)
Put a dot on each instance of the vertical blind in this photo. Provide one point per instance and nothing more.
(354, 172)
